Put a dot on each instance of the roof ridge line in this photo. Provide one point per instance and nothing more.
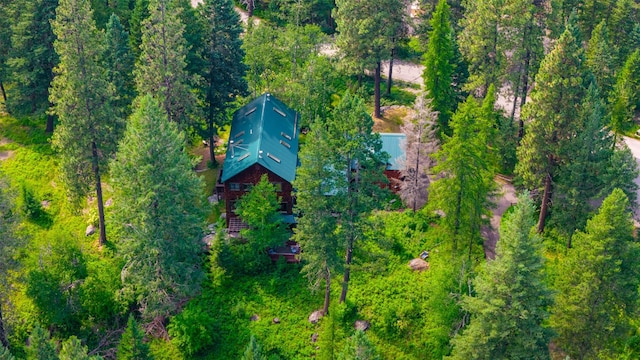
(261, 126)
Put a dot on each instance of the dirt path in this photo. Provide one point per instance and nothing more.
(505, 198)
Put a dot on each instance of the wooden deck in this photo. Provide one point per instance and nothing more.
(291, 252)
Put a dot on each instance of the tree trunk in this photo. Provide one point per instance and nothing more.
(327, 292)
(456, 229)
(347, 273)
(50, 119)
(544, 207)
(96, 172)
(377, 91)
(212, 134)
(389, 78)
(250, 7)
(3, 334)
(4, 93)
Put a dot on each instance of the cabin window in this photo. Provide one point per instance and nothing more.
(284, 207)
(234, 205)
(246, 187)
(234, 186)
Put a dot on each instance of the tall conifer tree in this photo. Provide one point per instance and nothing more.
(467, 168)
(600, 59)
(82, 96)
(438, 64)
(555, 117)
(159, 212)
(510, 305)
(119, 63)
(365, 35)
(161, 69)
(598, 288)
(224, 71)
(32, 58)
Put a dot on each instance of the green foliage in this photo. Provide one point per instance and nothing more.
(468, 168)
(438, 63)
(359, 348)
(72, 349)
(132, 345)
(119, 62)
(54, 285)
(510, 305)
(253, 350)
(139, 14)
(224, 69)
(31, 207)
(599, 58)
(555, 116)
(285, 63)
(625, 98)
(32, 57)
(41, 347)
(259, 210)
(161, 68)
(159, 213)
(82, 96)
(327, 168)
(597, 284)
(192, 330)
(5, 354)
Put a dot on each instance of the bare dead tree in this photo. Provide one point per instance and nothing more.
(421, 142)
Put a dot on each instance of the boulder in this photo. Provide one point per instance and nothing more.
(418, 265)
(362, 325)
(276, 320)
(315, 316)
(254, 317)
(45, 204)
(208, 240)
(314, 337)
(90, 230)
(109, 202)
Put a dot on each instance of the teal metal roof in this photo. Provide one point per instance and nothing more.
(393, 144)
(265, 132)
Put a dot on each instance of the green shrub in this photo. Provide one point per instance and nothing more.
(192, 330)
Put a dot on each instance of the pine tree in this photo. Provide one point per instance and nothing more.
(599, 58)
(365, 36)
(625, 17)
(483, 45)
(132, 345)
(420, 144)
(253, 351)
(159, 213)
(438, 67)
(32, 58)
(598, 289)
(467, 172)
(194, 35)
(6, 19)
(511, 300)
(351, 173)
(359, 347)
(139, 14)
(625, 97)
(82, 96)
(523, 36)
(225, 70)
(580, 181)
(119, 63)
(72, 349)
(161, 69)
(554, 113)
(41, 347)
